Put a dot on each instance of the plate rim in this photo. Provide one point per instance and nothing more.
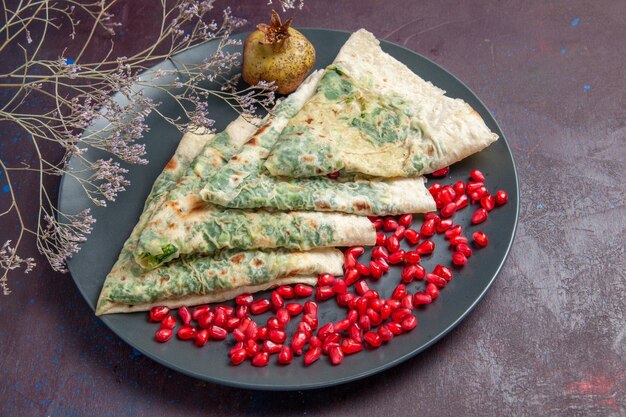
(371, 371)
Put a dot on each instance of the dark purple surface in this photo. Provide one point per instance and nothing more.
(548, 339)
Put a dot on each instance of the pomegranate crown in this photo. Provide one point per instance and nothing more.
(276, 31)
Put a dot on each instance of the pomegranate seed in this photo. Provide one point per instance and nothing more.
(314, 342)
(239, 335)
(271, 347)
(458, 240)
(399, 292)
(344, 299)
(399, 232)
(311, 307)
(232, 323)
(373, 339)
(473, 186)
(432, 290)
(476, 175)
(349, 261)
(277, 300)
(302, 290)
(361, 304)
(245, 322)
(273, 323)
(277, 336)
(228, 311)
(434, 189)
(381, 239)
(461, 202)
(400, 314)
(342, 325)
(395, 328)
(374, 316)
(217, 332)
(408, 273)
(481, 239)
(260, 306)
(298, 340)
(262, 334)
(355, 251)
(355, 332)
(361, 287)
(158, 313)
(412, 236)
(378, 224)
(206, 320)
(351, 276)
(376, 270)
(252, 347)
(184, 314)
(238, 356)
(397, 257)
(394, 304)
(325, 279)
(407, 302)
(339, 286)
(443, 272)
(412, 257)
(242, 311)
(362, 269)
(441, 172)
(476, 195)
(383, 264)
(390, 224)
(447, 195)
(440, 282)
(244, 299)
(220, 317)
(336, 355)
(428, 228)
(455, 231)
(285, 357)
(371, 295)
(425, 248)
(501, 197)
(324, 293)
(202, 337)
(199, 311)
(464, 249)
(334, 175)
(286, 291)
(261, 359)
(479, 216)
(488, 202)
(432, 215)
(311, 320)
(459, 259)
(312, 355)
(421, 298)
(283, 315)
(349, 346)
(385, 311)
(459, 188)
(186, 332)
(448, 210)
(384, 333)
(169, 322)
(325, 330)
(393, 243)
(163, 335)
(365, 323)
(294, 309)
(405, 220)
(380, 252)
(409, 323)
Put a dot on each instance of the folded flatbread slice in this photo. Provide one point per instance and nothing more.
(372, 115)
(184, 224)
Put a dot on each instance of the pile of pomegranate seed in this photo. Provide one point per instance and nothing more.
(370, 319)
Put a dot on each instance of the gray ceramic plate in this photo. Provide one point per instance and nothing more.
(91, 265)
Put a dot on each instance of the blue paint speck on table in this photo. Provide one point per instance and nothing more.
(540, 206)
(575, 21)
(563, 50)
(6, 188)
(586, 87)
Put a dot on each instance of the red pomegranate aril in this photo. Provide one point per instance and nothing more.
(400, 314)
(311, 307)
(425, 248)
(370, 295)
(252, 347)
(479, 216)
(277, 336)
(458, 240)
(464, 249)
(312, 355)
(315, 341)
(349, 346)
(339, 286)
(273, 323)
(476, 175)
(488, 202)
(395, 328)
(459, 188)
(447, 195)
(381, 239)
(218, 333)
(344, 299)
(262, 334)
(385, 311)
(501, 197)
(459, 259)
(244, 299)
(184, 314)
(283, 315)
(409, 323)
(390, 224)
(355, 251)
(261, 359)
(325, 279)
(298, 340)
(448, 210)
(351, 276)
(334, 175)
(376, 303)
(399, 232)
(432, 290)
(443, 271)
(373, 339)
(397, 257)
(163, 335)
(202, 337)
(242, 311)
(207, 319)
(238, 356)
(408, 273)
(365, 323)
(169, 322)
(440, 282)
(158, 313)
(361, 287)
(199, 311)
(324, 293)
(277, 300)
(407, 302)
(480, 238)
(412, 257)
(239, 335)
(473, 186)
(236, 346)
(412, 236)
(378, 224)
(361, 305)
(384, 264)
(434, 189)
(349, 261)
(394, 304)
(399, 292)
(294, 309)
(311, 320)
(405, 220)
(384, 333)
(374, 316)
(286, 292)
(428, 228)
(325, 330)
(232, 323)
(380, 252)
(302, 290)
(336, 355)
(342, 325)
(461, 202)
(245, 322)
(355, 332)
(475, 196)
(432, 215)
(393, 244)
(421, 298)
(352, 316)
(271, 347)
(186, 332)
(260, 306)
(285, 357)
(362, 269)
(441, 172)
(228, 310)
(375, 270)
(455, 231)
